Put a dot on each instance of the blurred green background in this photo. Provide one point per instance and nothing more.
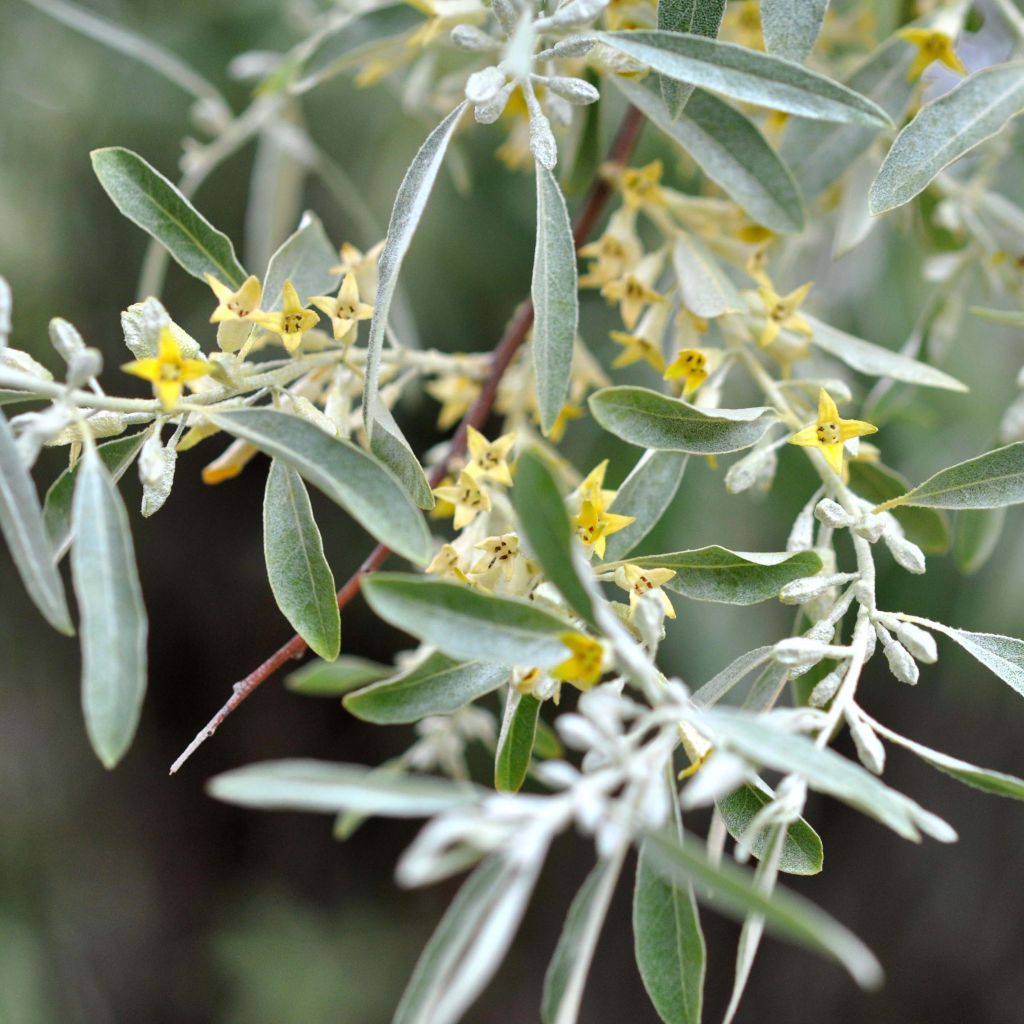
(133, 897)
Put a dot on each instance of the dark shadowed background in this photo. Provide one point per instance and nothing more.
(132, 897)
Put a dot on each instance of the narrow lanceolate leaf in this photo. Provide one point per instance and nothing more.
(802, 852)
(390, 446)
(991, 480)
(321, 786)
(791, 916)
(465, 623)
(1003, 655)
(299, 575)
(825, 771)
(545, 527)
(704, 286)
(348, 37)
(747, 75)
(305, 259)
(335, 678)
(975, 110)
(152, 202)
(702, 18)
(928, 528)
(569, 967)
(791, 27)
(984, 779)
(555, 300)
(346, 474)
(113, 617)
(652, 420)
(729, 149)
(821, 153)
(731, 577)
(470, 942)
(645, 495)
(116, 455)
(21, 521)
(876, 361)
(669, 943)
(437, 685)
(515, 745)
(976, 536)
(410, 203)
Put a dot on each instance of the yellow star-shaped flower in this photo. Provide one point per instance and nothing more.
(488, 458)
(345, 310)
(446, 563)
(637, 582)
(693, 366)
(831, 432)
(584, 667)
(499, 554)
(467, 498)
(238, 305)
(456, 394)
(632, 294)
(594, 526)
(168, 370)
(931, 45)
(641, 186)
(636, 349)
(289, 323)
(783, 312)
(616, 252)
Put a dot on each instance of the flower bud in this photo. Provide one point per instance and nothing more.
(575, 90)
(870, 527)
(84, 366)
(483, 86)
(919, 642)
(901, 664)
(827, 687)
(869, 746)
(796, 651)
(906, 553)
(469, 37)
(831, 513)
(809, 587)
(570, 48)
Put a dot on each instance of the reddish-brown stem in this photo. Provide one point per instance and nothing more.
(515, 334)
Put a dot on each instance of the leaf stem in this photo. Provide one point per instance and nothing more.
(513, 338)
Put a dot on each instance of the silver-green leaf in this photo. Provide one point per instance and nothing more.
(113, 617)
(346, 474)
(466, 624)
(652, 420)
(743, 74)
(645, 495)
(555, 299)
(152, 202)
(305, 258)
(299, 575)
(976, 536)
(1003, 655)
(790, 27)
(976, 109)
(701, 17)
(731, 577)
(436, 685)
(991, 480)
(729, 149)
(410, 202)
(21, 520)
(334, 678)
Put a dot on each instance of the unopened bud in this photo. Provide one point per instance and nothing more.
(827, 687)
(906, 553)
(469, 37)
(574, 46)
(869, 746)
(870, 527)
(809, 587)
(831, 513)
(84, 366)
(919, 642)
(483, 86)
(901, 664)
(575, 90)
(796, 651)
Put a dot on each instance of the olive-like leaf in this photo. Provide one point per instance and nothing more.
(305, 258)
(791, 27)
(515, 746)
(645, 495)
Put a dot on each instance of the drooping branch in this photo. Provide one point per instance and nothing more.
(512, 339)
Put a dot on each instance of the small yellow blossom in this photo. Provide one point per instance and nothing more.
(636, 349)
(168, 370)
(488, 458)
(693, 366)
(641, 186)
(932, 45)
(594, 525)
(499, 553)
(443, 509)
(584, 668)
(456, 394)
(345, 310)
(239, 305)
(363, 265)
(592, 487)
(446, 563)
(637, 582)
(633, 292)
(467, 498)
(783, 312)
(831, 432)
(291, 322)
(570, 411)
(229, 463)
(615, 253)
